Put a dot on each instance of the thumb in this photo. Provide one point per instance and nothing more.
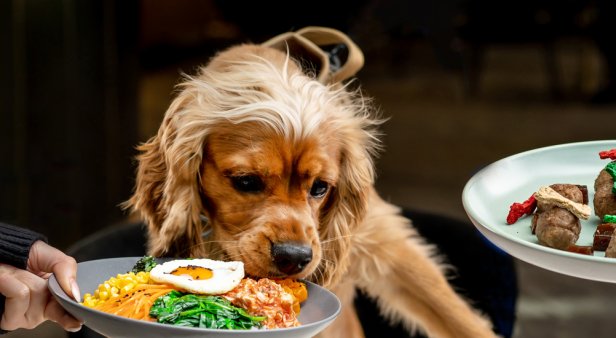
(44, 259)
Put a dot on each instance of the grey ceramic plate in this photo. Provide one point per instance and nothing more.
(488, 195)
(318, 311)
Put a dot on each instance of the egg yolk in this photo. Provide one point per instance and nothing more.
(196, 272)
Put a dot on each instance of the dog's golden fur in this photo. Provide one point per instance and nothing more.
(254, 152)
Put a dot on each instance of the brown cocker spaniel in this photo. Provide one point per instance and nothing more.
(262, 159)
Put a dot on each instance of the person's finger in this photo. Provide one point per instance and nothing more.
(45, 258)
(17, 300)
(21, 308)
(56, 313)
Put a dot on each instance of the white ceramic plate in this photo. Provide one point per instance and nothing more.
(488, 195)
(317, 312)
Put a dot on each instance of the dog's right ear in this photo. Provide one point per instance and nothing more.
(166, 191)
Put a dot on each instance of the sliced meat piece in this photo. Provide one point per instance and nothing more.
(557, 228)
(604, 200)
(611, 248)
(603, 236)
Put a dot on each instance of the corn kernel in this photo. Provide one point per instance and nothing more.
(115, 287)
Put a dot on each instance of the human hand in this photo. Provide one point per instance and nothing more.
(28, 301)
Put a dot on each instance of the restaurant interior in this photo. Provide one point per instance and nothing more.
(462, 84)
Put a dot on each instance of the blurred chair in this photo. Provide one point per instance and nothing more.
(483, 273)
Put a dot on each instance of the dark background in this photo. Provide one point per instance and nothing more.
(75, 78)
(463, 83)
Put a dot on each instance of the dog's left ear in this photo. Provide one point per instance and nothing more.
(167, 189)
(348, 203)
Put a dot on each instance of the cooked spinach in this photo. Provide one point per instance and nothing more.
(203, 311)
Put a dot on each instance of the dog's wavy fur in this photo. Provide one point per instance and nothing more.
(253, 112)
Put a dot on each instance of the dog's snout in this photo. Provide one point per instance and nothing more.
(291, 258)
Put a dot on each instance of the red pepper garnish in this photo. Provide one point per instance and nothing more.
(611, 154)
(517, 210)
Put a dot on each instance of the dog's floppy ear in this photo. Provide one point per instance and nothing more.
(347, 205)
(167, 189)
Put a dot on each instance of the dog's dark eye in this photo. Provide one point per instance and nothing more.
(248, 183)
(319, 188)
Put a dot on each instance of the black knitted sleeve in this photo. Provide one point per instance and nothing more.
(15, 243)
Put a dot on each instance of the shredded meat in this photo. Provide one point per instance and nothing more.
(265, 298)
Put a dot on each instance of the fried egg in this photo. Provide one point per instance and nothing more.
(202, 276)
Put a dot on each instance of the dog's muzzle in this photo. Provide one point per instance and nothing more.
(290, 258)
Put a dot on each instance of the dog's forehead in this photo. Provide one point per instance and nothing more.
(272, 154)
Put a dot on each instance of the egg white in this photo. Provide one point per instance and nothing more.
(226, 275)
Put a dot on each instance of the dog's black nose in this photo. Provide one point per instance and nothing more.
(291, 258)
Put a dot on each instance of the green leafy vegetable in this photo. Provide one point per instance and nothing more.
(203, 311)
(145, 263)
